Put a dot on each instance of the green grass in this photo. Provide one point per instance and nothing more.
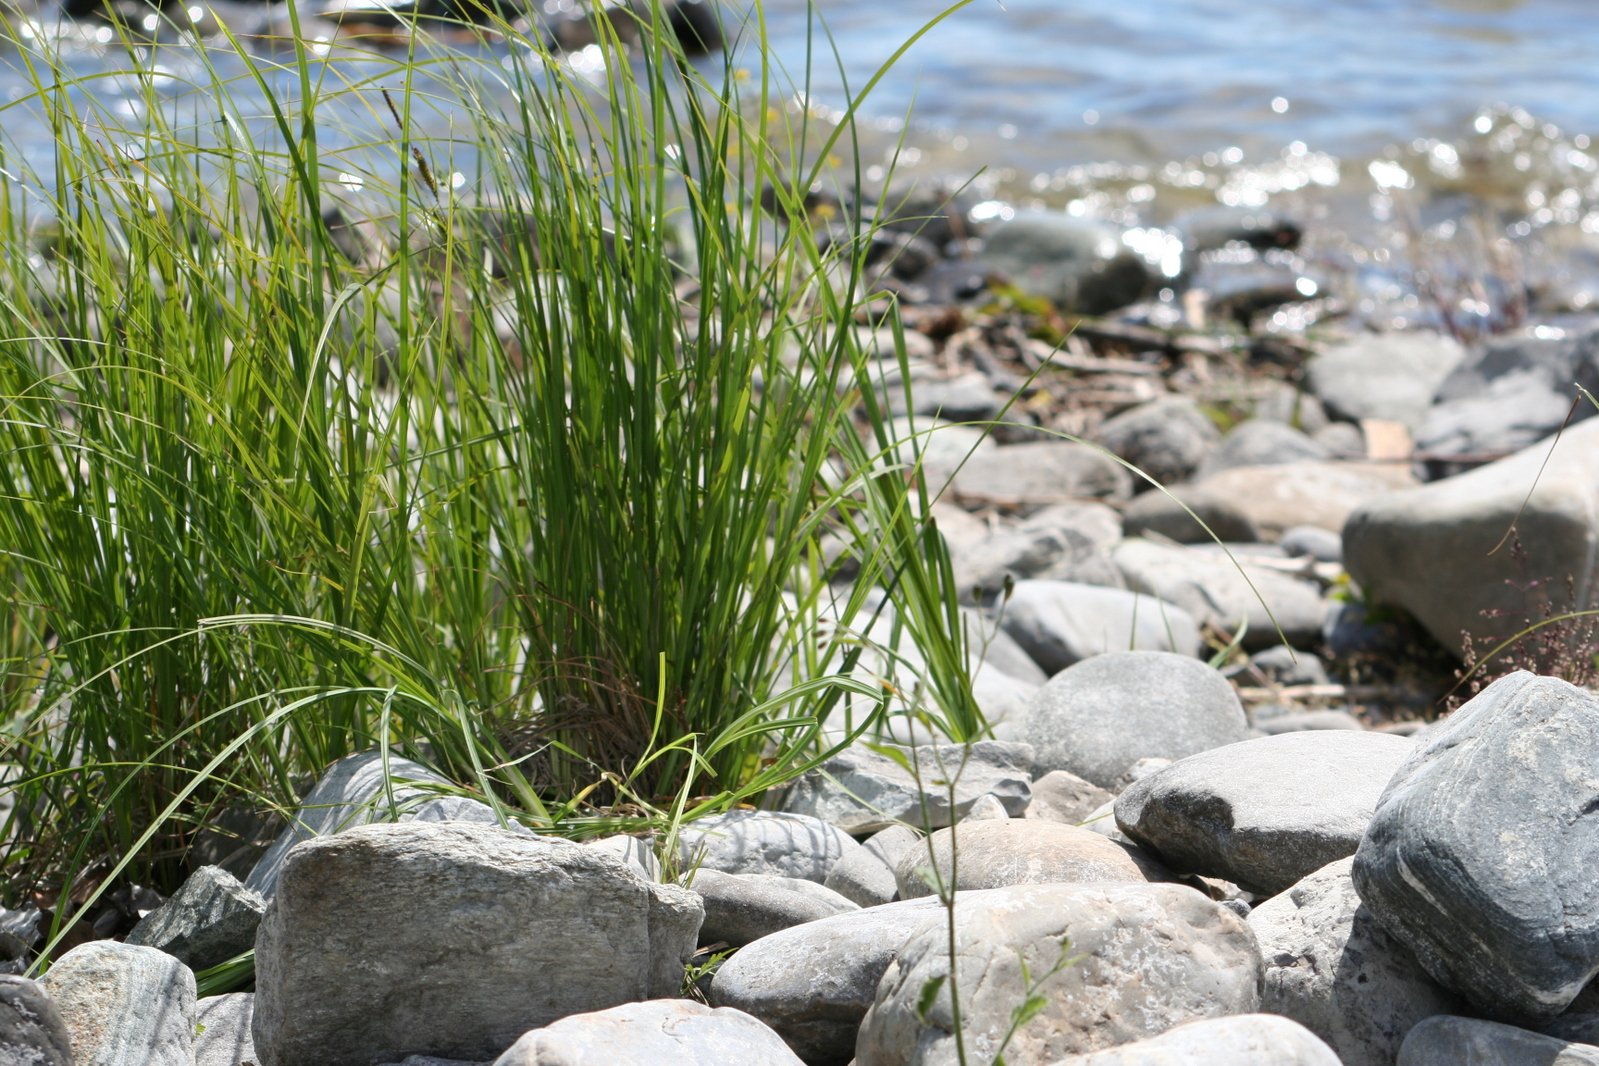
(530, 488)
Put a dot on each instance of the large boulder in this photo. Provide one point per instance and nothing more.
(124, 1004)
(453, 939)
(1032, 851)
(1099, 717)
(675, 1031)
(1427, 550)
(1242, 1040)
(1265, 812)
(1480, 856)
(1112, 963)
(1060, 623)
(1331, 967)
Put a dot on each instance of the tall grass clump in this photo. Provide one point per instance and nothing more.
(478, 405)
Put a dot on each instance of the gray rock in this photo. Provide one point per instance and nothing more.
(1060, 796)
(634, 851)
(963, 397)
(1076, 264)
(1451, 1041)
(1166, 438)
(209, 920)
(1066, 542)
(31, 1030)
(990, 648)
(1041, 473)
(1226, 593)
(1102, 820)
(677, 1031)
(987, 809)
(1060, 623)
(1021, 852)
(1260, 442)
(1481, 854)
(350, 793)
(1243, 1040)
(939, 448)
(454, 939)
(813, 983)
(223, 1034)
(1307, 721)
(866, 876)
(1331, 967)
(1388, 376)
(1323, 545)
(1427, 550)
(862, 791)
(764, 842)
(1099, 717)
(1281, 402)
(1266, 812)
(1190, 514)
(1278, 665)
(123, 1005)
(1315, 493)
(740, 908)
(1142, 958)
(1344, 440)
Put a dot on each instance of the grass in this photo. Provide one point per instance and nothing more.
(523, 474)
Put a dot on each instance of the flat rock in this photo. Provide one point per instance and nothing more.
(31, 1030)
(1243, 1040)
(1331, 967)
(764, 842)
(1040, 473)
(210, 919)
(1317, 494)
(813, 983)
(223, 1035)
(861, 791)
(453, 939)
(1140, 959)
(1453, 1041)
(1225, 592)
(866, 876)
(999, 854)
(662, 1031)
(1060, 796)
(1388, 376)
(1060, 623)
(1480, 856)
(1265, 812)
(1428, 550)
(124, 1005)
(1099, 717)
(740, 908)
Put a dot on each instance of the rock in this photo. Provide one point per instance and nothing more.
(862, 791)
(1076, 264)
(32, 1032)
(1427, 550)
(1510, 392)
(222, 1030)
(350, 793)
(1331, 967)
(636, 852)
(1451, 1041)
(1060, 623)
(740, 908)
(1266, 812)
(1281, 402)
(1323, 545)
(866, 876)
(453, 939)
(1228, 593)
(764, 842)
(124, 1005)
(1344, 440)
(1278, 665)
(1260, 442)
(1069, 542)
(987, 809)
(1060, 796)
(1022, 852)
(1190, 514)
(1215, 227)
(673, 1031)
(1480, 855)
(813, 983)
(968, 397)
(1097, 718)
(1244, 1040)
(1307, 721)
(1316, 493)
(1139, 959)
(1388, 376)
(208, 921)
(939, 447)
(1166, 438)
(1040, 473)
